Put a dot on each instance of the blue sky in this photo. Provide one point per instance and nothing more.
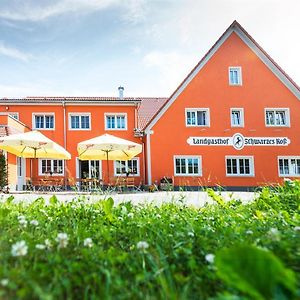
(90, 47)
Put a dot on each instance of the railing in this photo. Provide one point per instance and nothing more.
(48, 184)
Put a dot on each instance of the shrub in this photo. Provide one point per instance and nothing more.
(3, 172)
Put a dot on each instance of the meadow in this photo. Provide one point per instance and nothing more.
(78, 250)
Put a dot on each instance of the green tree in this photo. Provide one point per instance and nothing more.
(3, 172)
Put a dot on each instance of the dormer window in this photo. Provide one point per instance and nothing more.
(235, 76)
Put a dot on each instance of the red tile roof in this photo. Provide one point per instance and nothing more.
(70, 99)
(147, 109)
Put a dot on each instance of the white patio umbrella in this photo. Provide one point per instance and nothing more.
(108, 147)
(33, 144)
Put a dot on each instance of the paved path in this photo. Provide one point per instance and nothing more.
(197, 199)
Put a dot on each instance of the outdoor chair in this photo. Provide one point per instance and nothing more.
(119, 184)
(130, 183)
(29, 184)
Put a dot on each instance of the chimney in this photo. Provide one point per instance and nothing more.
(121, 92)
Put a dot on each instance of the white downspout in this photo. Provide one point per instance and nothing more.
(65, 138)
(148, 155)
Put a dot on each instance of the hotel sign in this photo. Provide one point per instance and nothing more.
(238, 141)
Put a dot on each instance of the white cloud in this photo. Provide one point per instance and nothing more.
(34, 12)
(133, 10)
(16, 91)
(171, 67)
(14, 53)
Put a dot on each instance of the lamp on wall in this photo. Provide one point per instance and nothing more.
(7, 108)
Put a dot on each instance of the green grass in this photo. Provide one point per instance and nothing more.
(252, 244)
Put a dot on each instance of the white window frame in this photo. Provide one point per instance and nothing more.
(126, 162)
(115, 115)
(291, 173)
(287, 115)
(199, 157)
(196, 110)
(251, 166)
(52, 163)
(241, 110)
(11, 114)
(43, 114)
(75, 114)
(239, 73)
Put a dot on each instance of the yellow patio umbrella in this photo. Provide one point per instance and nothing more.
(108, 147)
(33, 144)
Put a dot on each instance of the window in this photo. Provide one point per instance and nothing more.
(51, 167)
(197, 117)
(124, 167)
(289, 166)
(235, 76)
(43, 121)
(239, 166)
(79, 121)
(187, 165)
(277, 117)
(237, 117)
(115, 122)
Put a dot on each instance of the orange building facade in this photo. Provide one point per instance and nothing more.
(233, 122)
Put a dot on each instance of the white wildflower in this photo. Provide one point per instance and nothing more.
(4, 282)
(62, 239)
(48, 244)
(210, 258)
(19, 249)
(158, 216)
(34, 222)
(297, 228)
(249, 232)
(120, 219)
(274, 234)
(130, 215)
(88, 242)
(191, 234)
(142, 245)
(40, 246)
(124, 210)
(22, 220)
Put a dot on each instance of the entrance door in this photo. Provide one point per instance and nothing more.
(90, 169)
(21, 163)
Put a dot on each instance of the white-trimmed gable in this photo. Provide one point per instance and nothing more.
(249, 41)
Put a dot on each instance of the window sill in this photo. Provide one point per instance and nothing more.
(237, 175)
